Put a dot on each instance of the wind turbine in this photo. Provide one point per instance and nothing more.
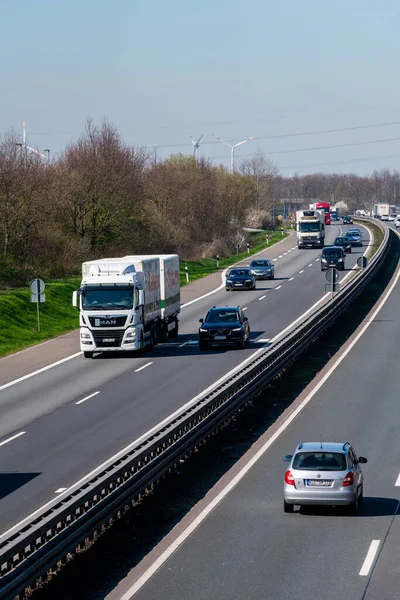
(196, 146)
(232, 147)
(26, 147)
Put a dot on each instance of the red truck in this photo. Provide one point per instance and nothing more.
(325, 206)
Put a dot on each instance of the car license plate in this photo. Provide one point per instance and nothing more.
(238, 284)
(105, 340)
(220, 337)
(319, 482)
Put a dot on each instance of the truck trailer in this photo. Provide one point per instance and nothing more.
(128, 303)
(310, 227)
(382, 211)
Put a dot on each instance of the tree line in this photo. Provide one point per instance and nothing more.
(104, 197)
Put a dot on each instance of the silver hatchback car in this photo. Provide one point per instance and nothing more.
(324, 473)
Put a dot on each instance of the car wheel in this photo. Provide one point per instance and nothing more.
(203, 345)
(227, 289)
(88, 354)
(273, 277)
(288, 508)
(242, 344)
(351, 509)
(248, 340)
(361, 495)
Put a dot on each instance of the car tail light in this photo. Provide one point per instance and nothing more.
(348, 480)
(289, 479)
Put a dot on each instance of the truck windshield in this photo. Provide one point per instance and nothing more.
(309, 226)
(115, 298)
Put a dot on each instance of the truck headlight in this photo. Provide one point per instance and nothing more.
(85, 336)
(131, 334)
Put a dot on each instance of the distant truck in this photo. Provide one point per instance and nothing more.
(128, 303)
(335, 214)
(326, 207)
(310, 227)
(382, 211)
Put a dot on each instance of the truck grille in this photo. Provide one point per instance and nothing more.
(114, 335)
(104, 321)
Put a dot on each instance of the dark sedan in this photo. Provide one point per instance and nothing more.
(239, 279)
(344, 242)
(223, 326)
(347, 220)
(262, 268)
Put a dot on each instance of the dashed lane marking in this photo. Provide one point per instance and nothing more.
(291, 279)
(279, 286)
(87, 398)
(369, 559)
(144, 367)
(262, 297)
(13, 437)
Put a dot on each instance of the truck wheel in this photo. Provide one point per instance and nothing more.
(88, 354)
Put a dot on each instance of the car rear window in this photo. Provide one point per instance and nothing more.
(259, 263)
(319, 461)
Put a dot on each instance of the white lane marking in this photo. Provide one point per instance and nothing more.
(223, 275)
(397, 484)
(87, 398)
(60, 490)
(184, 343)
(369, 559)
(278, 288)
(245, 308)
(252, 461)
(14, 437)
(274, 259)
(288, 251)
(194, 400)
(59, 362)
(294, 248)
(310, 265)
(144, 367)
(317, 259)
(302, 271)
(262, 297)
(284, 254)
(264, 340)
(280, 256)
(291, 279)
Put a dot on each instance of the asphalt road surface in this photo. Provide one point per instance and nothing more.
(59, 425)
(248, 548)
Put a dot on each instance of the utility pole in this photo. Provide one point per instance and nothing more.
(232, 147)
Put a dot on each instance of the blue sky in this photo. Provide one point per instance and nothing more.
(161, 70)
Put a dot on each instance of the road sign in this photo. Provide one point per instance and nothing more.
(362, 262)
(37, 286)
(34, 298)
(332, 275)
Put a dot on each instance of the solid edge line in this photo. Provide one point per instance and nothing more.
(232, 484)
(87, 398)
(13, 437)
(369, 559)
(59, 362)
(144, 367)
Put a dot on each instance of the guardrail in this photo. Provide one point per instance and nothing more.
(44, 542)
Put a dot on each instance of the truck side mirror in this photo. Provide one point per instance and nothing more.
(141, 297)
(75, 299)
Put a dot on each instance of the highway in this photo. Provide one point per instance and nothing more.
(246, 547)
(61, 424)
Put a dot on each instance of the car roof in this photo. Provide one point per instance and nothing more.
(225, 308)
(326, 446)
(333, 247)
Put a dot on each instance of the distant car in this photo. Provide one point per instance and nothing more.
(240, 278)
(355, 237)
(385, 218)
(223, 326)
(332, 257)
(262, 268)
(391, 218)
(344, 242)
(347, 220)
(397, 222)
(324, 473)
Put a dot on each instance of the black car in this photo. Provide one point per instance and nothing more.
(344, 242)
(332, 256)
(262, 268)
(225, 325)
(239, 279)
(347, 220)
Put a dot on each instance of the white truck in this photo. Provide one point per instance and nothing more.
(128, 303)
(310, 227)
(382, 211)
